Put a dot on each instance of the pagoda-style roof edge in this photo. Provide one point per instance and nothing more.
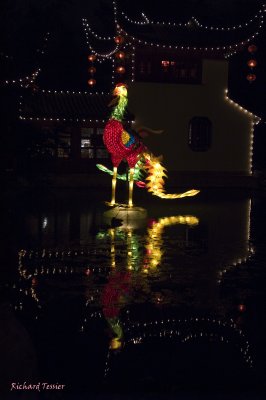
(190, 36)
(255, 118)
(62, 106)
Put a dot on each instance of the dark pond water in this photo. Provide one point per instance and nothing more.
(165, 300)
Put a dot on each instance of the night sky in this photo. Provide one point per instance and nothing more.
(24, 24)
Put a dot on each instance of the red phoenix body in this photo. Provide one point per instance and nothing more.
(130, 151)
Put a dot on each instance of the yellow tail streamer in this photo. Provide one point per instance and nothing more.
(155, 180)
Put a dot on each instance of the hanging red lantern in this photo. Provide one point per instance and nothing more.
(120, 55)
(92, 70)
(92, 57)
(120, 70)
(252, 48)
(251, 77)
(119, 39)
(252, 63)
(241, 307)
(91, 82)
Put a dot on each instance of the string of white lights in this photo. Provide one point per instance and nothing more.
(27, 273)
(244, 110)
(104, 38)
(241, 341)
(145, 22)
(148, 21)
(62, 119)
(54, 119)
(231, 51)
(231, 47)
(146, 325)
(133, 64)
(103, 55)
(26, 81)
(23, 82)
(250, 250)
(44, 47)
(115, 13)
(113, 72)
(73, 92)
(145, 17)
(55, 253)
(227, 28)
(3, 55)
(235, 263)
(255, 120)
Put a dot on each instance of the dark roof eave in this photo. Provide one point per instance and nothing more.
(63, 107)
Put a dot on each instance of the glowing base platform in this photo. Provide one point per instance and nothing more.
(133, 217)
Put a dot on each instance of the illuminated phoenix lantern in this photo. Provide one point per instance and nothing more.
(125, 144)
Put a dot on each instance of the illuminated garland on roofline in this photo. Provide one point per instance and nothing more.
(103, 55)
(73, 92)
(23, 82)
(255, 121)
(63, 119)
(55, 119)
(88, 28)
(230, 49)
(148, 21)
(45, 40)
(29, 80)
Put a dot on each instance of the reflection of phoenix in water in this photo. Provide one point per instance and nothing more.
(118, 287)
(154, 238)
(113, 298)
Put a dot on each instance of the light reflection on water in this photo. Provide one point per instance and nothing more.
(158, 277)
(185, 256)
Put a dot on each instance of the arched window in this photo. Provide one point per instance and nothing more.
(200, 134)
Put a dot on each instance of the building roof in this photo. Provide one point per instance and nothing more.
(66, 106)
(189, 36)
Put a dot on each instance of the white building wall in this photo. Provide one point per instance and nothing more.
(171, 106)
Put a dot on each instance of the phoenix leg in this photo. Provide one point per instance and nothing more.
(114, 186)
(131, 182)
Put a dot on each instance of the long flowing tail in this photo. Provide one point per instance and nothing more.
(156, 173)
(155, 179)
